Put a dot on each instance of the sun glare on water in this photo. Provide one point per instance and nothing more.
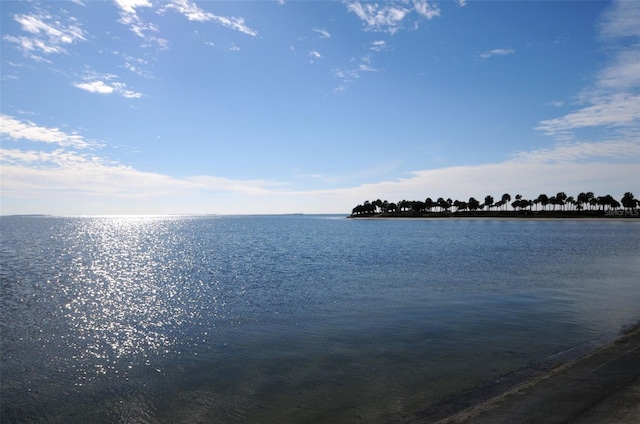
(118, 299)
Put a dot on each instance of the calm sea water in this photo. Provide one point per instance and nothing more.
(293, 318)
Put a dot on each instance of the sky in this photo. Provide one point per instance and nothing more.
(266, 107)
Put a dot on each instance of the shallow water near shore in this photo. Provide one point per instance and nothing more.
(293, 318)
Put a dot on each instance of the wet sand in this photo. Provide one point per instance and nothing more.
(602, 386)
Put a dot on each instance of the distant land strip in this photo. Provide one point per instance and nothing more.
(584, 205)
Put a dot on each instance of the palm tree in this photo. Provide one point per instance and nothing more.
(582, 200)
(474, 205)
(628, 200)
(571, 201)
(428, 204)
(591, 199)
(560, 199)
(506, 198)
(417, 206)
(460, 206)
(378, 204)
(543, 200)
(604, 201)
(488, 201)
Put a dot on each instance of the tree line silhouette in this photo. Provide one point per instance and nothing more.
(583, 202)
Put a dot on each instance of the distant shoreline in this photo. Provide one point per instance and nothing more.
(609, 214)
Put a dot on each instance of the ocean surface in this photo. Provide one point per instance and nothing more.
(296, 319)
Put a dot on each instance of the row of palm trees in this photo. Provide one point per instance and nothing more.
(584, 201)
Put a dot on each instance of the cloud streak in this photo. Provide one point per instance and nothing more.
(497, 52)
(47, 34)
(129, 16)
(323, 33)
(101, 87)
(193, 13)
(612, 100)
(616, 110)
(389, 17)
(27, 130)
(63, 175)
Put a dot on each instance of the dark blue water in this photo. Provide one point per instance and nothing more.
(293, 318)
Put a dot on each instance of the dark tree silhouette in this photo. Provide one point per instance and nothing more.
(583, 200)
(460, 206)
(488, 202)
(628, 201)
(506, 198)
(429, 204)
(561, 197)
(474, 205)
(543, 200)
(591, 199)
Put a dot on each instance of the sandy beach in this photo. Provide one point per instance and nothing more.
(602, 386)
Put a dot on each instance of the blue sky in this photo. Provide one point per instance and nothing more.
(139, 106)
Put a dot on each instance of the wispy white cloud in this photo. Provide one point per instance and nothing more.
(94, 184)
(363, 67)
(128, 7)
(323, 33)
(378, 45)
(385, 18)
(620, 21)
(619, 150)
(194, 13)
(623, 73)
(612, 99)
(245, 187)
(389, 16)
(348, 75)
(461, 3)
(425, 9)
(129, 16)
(47, 174)
(46, 34)
(136, 65)
(314, 54)
(101, 87)
(497, 52)
(106, 84)
(66, 172)
(27, 130)
(619, 109)
(604, 168)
